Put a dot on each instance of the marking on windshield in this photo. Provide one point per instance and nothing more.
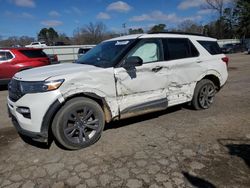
(121, 43)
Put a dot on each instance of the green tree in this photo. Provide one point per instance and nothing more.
(242, 12)
(190, 27)
(213, 29)
(92, 33)
(135, 31)
(49, 35)
(16, 41)
(158, 28)
(218, 7)
(24, 40)
(64, 38)
(229, 23)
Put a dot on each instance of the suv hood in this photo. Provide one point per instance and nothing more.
(46, 72)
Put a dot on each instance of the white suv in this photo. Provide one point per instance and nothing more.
(119, 78)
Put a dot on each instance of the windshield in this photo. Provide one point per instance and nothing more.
(105, 53)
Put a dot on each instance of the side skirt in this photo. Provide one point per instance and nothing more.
(144, 108)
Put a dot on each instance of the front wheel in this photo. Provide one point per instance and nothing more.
(79, 123)
(204, 94)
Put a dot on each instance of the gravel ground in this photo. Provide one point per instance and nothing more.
(175, 148)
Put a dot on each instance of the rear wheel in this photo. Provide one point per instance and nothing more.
(204, 94)
(79, 123)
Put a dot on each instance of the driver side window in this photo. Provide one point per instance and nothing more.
(147, 50)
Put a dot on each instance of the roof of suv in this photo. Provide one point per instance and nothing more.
(20, 48)
(162, 35)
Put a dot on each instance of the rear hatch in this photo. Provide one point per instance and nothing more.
(213, 49)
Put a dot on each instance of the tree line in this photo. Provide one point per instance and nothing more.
(233, 21)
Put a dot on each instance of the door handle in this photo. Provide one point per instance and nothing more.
(156, 69)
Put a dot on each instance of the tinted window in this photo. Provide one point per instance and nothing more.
(9, 55)
(82, 51)
(211, 46)
(33, 53)
(5, 56)
(147, 50)
(177, 48)
(2, 56)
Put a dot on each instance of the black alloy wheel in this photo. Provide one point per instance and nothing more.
(79, 123)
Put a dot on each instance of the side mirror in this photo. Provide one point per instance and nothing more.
(132, 62)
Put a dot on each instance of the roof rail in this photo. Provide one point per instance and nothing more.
(178, 33)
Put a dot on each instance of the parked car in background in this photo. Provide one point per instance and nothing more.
(233, 48)
(13, 60)
(82, 51)
(119, 78)
(59, 43)
(36, 45)
(53, 58)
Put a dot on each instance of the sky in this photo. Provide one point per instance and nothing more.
(28, 17)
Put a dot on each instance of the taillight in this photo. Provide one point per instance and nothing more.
(225, 60)
(55, 58)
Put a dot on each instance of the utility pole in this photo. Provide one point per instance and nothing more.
(124, 27)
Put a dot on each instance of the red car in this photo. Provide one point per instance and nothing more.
(13, 60)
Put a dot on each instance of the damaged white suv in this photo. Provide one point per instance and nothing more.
(119, 78)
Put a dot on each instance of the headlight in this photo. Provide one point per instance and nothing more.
(38, 87)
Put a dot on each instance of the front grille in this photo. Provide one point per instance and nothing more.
(14, 90)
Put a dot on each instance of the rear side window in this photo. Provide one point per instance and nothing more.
(211, 46)
(4, 56)
(33, 53)
(178, 48)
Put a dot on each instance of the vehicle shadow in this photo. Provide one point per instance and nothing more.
(197, 182)
(141, 118)
(3, 87)
(111, 125)
(239, 148)
(37, 144)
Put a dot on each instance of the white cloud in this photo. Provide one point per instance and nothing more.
(54, 13)
(76, 10)
(154, 16)
(24, 3)
(205, 11)
(186, 4)
(27, 15)
(51, 23)
(103, 16)
(119, 6)
(160, 16)
(23, 15)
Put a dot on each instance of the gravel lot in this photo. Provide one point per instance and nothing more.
(175, 148)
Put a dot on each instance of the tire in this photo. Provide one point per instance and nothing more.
(204, 94)
(79, 123)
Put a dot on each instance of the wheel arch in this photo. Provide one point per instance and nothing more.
(214, 79)
(56, 106)
(100, 100)
(212, 75)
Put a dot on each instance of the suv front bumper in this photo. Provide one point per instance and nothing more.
(39, 105)
(41, 137)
